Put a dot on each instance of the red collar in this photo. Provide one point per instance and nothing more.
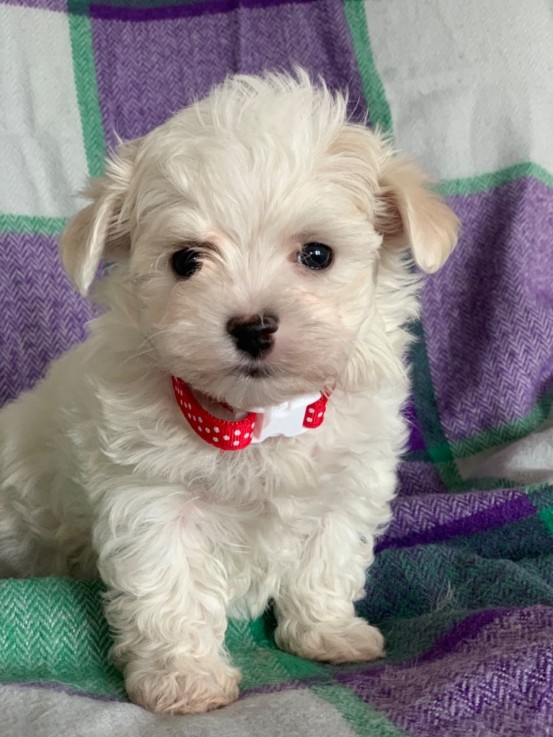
(236, 434)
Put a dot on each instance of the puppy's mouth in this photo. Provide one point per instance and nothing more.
(255, 371)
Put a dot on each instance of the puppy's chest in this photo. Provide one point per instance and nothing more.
(264, 501)
(260, 546)
(270, 473)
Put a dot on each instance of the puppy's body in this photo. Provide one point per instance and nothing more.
(65, 448)
(99, 470)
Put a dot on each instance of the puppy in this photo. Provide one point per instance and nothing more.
(229, 432)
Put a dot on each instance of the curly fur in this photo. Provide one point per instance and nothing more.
(99, 470)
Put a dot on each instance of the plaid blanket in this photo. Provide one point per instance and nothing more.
(462, 585)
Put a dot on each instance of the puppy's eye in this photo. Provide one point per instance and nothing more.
(186, 262)
(315, 256)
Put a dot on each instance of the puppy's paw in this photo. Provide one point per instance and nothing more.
(335, 642)
(182, 693)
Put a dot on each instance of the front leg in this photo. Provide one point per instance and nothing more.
(314, 608)
(166, 604)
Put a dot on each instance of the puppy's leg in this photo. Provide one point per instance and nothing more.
(166, 605)
(315, 612)
(40, 535)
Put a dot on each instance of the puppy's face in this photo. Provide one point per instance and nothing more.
(252, 228)
(253, 287)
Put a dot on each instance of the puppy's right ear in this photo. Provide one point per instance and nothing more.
(408, 211)
(101, 229)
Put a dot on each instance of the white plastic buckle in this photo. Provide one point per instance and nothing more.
(282, 419)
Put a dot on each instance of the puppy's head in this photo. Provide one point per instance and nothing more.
(258, 230)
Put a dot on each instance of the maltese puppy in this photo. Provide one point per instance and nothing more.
(228, 435)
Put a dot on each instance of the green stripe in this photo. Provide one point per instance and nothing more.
(505, 433)
(253, 650)
(546, 516)
(149, 3)
(31, 225)
(487, 483)
(361, 717)
(80, 31)
(541, 495)
(380, 115)
(379, 110)
(426, 407)
(485, 182)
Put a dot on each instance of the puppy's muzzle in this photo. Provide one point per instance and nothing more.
(253, 335)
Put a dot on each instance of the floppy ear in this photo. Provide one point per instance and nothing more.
(408, 212)
(101, 229)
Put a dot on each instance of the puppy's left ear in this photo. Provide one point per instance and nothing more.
(101, 229)
(408, 212)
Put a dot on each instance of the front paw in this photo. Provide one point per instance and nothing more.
(351, 641)
(177, 692)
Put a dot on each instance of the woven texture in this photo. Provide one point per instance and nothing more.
(462, 585)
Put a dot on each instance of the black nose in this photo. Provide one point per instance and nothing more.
(253, 335)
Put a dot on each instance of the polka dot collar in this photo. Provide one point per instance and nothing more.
(291, 418)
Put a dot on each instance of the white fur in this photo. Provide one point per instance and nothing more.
(98, 467)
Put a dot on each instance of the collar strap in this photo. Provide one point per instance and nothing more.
(290, 418)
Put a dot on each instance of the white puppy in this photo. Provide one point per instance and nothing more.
(258, 246)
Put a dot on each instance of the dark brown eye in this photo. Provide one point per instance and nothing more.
(186, 262)
(315, 256)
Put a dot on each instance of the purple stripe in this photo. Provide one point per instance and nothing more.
(467, 629)
(427, 511)
(514, 509)
(461, 632)
(491, 675)
(167, 12)
(148, 71)
(42, 314)
(416, 441)
(416, 477)
(487, 314)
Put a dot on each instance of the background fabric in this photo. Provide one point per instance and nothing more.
(463, 581)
